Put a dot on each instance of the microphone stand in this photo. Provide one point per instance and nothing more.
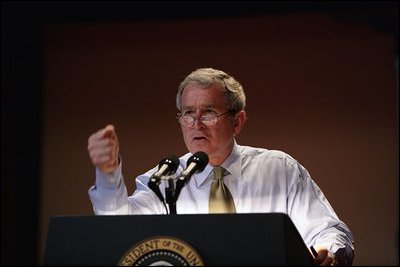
(170, 196)
(179, 185)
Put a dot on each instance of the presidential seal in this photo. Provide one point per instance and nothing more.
(161, 251)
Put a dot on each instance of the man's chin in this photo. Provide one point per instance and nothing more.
(199, 147)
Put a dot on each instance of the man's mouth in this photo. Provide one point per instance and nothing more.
(199, 138)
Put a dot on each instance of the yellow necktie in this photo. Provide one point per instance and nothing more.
(221, 200)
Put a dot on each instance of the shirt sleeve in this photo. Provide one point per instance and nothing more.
(314, 216)
(109, 195)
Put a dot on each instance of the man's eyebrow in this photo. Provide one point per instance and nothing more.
(202, 107)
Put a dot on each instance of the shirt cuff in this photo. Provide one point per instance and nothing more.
(109, 180)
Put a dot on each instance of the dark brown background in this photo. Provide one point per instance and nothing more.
(320, 80)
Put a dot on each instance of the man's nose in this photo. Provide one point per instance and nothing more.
(198, 124)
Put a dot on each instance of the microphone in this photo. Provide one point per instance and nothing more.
(196, 163)
(167, 166)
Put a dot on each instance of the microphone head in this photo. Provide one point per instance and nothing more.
(173, 163)
(201, 160)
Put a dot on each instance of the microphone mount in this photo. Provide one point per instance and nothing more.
(167, 167)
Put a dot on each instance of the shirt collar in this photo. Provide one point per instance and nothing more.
(232, 164)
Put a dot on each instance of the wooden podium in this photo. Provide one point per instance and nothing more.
(207, 239)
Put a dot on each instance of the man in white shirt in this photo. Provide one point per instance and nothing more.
(212, 113)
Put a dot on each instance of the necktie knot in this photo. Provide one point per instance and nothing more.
(218, 173)
(221, 200)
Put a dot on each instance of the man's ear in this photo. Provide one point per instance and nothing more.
(238, 122)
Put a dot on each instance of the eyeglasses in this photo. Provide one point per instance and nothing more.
(207, 119)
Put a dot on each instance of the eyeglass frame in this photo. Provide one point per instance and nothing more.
(217, 116)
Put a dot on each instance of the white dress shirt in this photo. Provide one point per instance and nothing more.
(260, 181)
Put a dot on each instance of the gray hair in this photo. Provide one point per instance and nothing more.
(207, 77)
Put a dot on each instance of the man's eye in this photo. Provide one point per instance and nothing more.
(209, 111)
(209, 116)
(187, 113)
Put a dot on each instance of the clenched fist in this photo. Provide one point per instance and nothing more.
(103, 149)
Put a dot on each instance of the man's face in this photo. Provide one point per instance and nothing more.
(216, 140)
